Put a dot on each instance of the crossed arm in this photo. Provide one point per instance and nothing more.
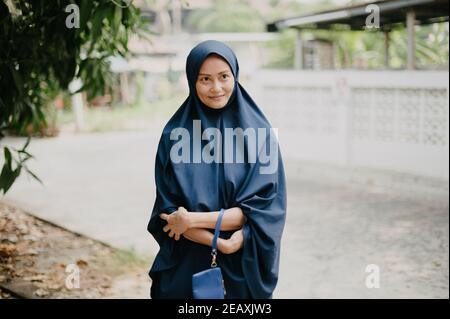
(194, 226)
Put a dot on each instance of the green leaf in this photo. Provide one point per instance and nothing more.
(85, 12)
(7, 178)
(17, 80)
(117, 19)
(33, 175)
(26, 144)
(8, 157)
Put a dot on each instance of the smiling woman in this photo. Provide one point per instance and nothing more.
(215, 82)
(190, 193)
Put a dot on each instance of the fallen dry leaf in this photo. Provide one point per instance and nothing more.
(40, 278)
(7, 250)
(81, 263)
(54, 286)
(41, 292)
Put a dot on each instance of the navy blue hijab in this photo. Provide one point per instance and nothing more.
(252, 272)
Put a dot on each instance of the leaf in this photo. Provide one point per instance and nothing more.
(16, 173)
(8, 156)
(5, 179)
(7, 250)
(82, 263)
(97, 26)
(117, 19)
(33, 175)
(17, 80)
(26, 153)
(26, 144)
(85, 12)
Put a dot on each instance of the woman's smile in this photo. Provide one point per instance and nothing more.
(217, 98)
(215, 82)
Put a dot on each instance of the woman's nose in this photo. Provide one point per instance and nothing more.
(216, 86)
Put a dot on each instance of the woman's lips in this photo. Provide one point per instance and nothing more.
(216, 98)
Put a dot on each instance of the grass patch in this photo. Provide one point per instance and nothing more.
(130, 258)
(123, 117)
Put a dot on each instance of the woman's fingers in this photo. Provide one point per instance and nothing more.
(170, 226)
(172, 233)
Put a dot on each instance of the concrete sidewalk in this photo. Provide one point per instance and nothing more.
(100, 185)
(338, 221)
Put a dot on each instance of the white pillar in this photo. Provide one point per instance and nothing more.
(176, 16)
(298, 57)
(124, 89)
(386, 49)
(77, 104)
(410, 22)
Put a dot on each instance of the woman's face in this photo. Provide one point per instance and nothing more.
(215, 82)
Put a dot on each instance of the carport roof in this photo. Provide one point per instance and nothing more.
(354, 17)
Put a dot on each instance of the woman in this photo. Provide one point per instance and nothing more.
(195, 178)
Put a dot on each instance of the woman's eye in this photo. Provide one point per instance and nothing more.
(204, 79)
(225, 76)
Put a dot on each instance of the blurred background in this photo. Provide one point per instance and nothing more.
(357, 89)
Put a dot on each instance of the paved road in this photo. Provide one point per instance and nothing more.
(101, 185)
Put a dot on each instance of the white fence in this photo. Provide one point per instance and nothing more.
(391, 120)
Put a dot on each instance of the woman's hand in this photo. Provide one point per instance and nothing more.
(177, 222)
(233, 244)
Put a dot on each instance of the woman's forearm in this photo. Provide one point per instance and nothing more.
(204, 237)
(232, 219)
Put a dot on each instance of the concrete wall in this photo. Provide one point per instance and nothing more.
(390, 120)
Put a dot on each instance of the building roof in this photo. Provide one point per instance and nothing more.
(354, 17)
